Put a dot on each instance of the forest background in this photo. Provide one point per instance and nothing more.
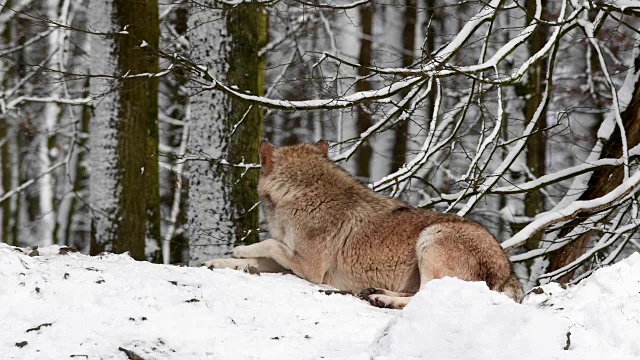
(134, 125)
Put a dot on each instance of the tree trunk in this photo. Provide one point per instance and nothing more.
(602, 181)
(120, 128)
(5, 172)
(364, 153)
(46, 139)
(408, 45)
(223, 200)
(152, 168)
(5, 131)
(536, 147)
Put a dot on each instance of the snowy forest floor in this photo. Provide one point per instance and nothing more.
(55, 306)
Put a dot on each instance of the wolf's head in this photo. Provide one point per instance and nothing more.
(292, 177)
(270, 157)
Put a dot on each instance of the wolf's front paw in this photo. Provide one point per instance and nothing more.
(224, 264)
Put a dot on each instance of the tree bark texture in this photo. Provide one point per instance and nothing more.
(121, 179)
(223, 200)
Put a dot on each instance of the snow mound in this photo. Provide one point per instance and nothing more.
(453, 319)
(58, 303)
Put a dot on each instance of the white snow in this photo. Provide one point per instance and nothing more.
(95, 305)
(452, 319)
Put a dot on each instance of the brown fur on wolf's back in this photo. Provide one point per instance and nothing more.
(361, 239)
(396, 234)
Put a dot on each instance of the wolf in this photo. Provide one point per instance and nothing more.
(330, 229)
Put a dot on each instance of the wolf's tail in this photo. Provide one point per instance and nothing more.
(513, 288)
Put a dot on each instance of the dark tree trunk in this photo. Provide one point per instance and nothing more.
(364, 153)
(399, 153)
(536, 147)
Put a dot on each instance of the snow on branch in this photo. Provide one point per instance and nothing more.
(17, 101)
(589, 31)
(603, 243)
(183, 158)
(622, 5)
(398, 111)
(327, 104)
(334, 6)
(542, 181)
(31, 181)
(579, 207)
(604, 132)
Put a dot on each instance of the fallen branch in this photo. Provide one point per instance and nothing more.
(37, 328)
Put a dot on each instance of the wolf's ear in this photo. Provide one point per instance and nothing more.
(323, 146)
(266, 157)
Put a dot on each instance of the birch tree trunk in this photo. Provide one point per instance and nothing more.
(222, 199)
(176, 105)
(46, 226)
(120, 148)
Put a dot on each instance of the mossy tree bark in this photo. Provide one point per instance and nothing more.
(223, 199)
(124, 177)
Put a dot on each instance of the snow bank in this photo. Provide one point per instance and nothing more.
(452, 319)
(95, 305)
(54, 306)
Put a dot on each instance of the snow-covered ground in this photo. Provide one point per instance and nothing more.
(56, 306)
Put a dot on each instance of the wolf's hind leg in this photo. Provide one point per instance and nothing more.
(388, 301)
(385, 298)
(371, 291)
